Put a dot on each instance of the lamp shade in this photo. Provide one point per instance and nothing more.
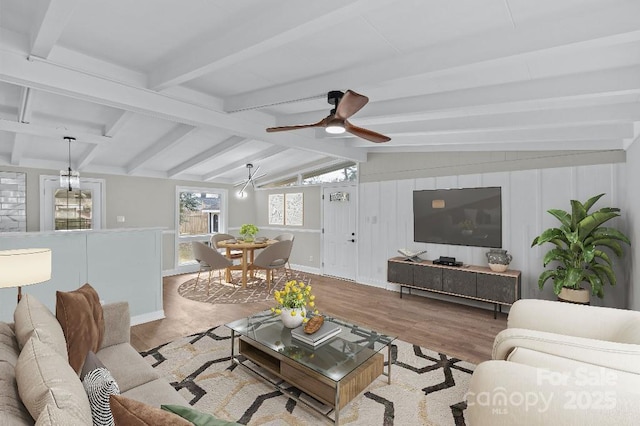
(24, 266)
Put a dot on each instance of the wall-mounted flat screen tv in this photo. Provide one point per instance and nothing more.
(468, 216)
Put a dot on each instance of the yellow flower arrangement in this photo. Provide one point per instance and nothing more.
(295, 294)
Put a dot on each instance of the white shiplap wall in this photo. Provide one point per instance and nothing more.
(386, 220)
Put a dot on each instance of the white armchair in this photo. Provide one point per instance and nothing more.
(559, 363)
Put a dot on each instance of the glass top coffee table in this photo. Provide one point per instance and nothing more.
(334, 372)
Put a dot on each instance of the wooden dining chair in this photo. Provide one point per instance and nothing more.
(209, 260)
(271, 258)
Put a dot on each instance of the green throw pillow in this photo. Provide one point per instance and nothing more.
(196, 417)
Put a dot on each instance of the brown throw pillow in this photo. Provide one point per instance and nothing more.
(80, 315)
(129, 412)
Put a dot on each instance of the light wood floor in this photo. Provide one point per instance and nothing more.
(455, 329)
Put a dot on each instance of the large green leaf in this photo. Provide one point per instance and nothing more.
(612, 233)
(578, 212)
(606, 271)
(613, 245)
(558, 254)
(602, 255)
(596, 285)
(553, 273)
(562, 216)
(573, 277)
(587, 225)
(548, 235)
(591, 201)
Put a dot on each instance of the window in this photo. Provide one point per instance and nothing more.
(200, 212)
(343, 172)
(63, 210)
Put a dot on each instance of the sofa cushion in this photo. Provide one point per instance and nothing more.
(129, 412)
(99, 385)
(196, 417)
(9, 350)
(30, 317)
(12, 411)
(629, 332)
(44, 377)
(127, 366)
(156, 392)
(82, 320)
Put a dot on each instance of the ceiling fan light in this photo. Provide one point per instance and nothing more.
(335, 127)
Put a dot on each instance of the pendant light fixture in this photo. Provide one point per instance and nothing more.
(68, 177)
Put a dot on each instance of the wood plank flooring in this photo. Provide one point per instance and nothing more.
(455, 329)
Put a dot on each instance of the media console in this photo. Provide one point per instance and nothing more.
(470, 282)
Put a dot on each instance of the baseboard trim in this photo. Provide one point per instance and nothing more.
(148, 317)
(307, 269)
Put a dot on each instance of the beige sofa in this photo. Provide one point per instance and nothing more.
(38, 385)
(560, 363)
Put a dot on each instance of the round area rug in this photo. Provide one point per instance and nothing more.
(256, 290)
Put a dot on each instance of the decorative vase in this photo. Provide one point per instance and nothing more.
(498, 260)
(580, 296)
(292, 321)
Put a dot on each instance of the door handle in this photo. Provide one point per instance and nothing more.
(352, 240)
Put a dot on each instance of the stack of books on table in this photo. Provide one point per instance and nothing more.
(326, 332)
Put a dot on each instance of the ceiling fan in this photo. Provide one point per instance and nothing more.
(345, 105)
(250, 179)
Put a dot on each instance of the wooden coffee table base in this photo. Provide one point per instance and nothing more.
(335, 394)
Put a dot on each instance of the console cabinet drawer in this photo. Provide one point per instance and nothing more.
(426, 277)
(459, 282)
(401, 273)
(496, 287)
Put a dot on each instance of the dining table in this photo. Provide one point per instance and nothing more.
(247, 248)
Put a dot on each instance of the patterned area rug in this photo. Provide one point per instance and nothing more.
(256, 290)
(427, 388)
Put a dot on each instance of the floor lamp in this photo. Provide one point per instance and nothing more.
(24, 267)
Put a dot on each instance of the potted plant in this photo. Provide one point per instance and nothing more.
(292, 303)
(578, 249)
(248, 231)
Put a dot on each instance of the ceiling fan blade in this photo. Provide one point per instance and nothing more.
(350, 103)
(321, 123)
(369, 135)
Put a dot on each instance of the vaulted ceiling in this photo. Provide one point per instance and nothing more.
(185, 89)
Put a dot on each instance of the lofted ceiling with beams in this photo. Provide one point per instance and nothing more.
(186, 89)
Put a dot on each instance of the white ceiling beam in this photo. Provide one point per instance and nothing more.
(20, 141)
(551, 145)
(211, 153)
(561, 117)
(44, 75)
(115, 125)
(568, 133)
(26, 105)
(50, 132)
(52, 18)
(262, 155)
(611, 25)
(587, 85)
(255, 36)
(171, 139)
(87, 156)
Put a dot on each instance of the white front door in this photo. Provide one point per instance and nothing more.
(339, 247)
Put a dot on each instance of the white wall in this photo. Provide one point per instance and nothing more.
(386, 220)
(633, 205)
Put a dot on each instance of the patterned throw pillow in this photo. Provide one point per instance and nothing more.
(99, 385)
